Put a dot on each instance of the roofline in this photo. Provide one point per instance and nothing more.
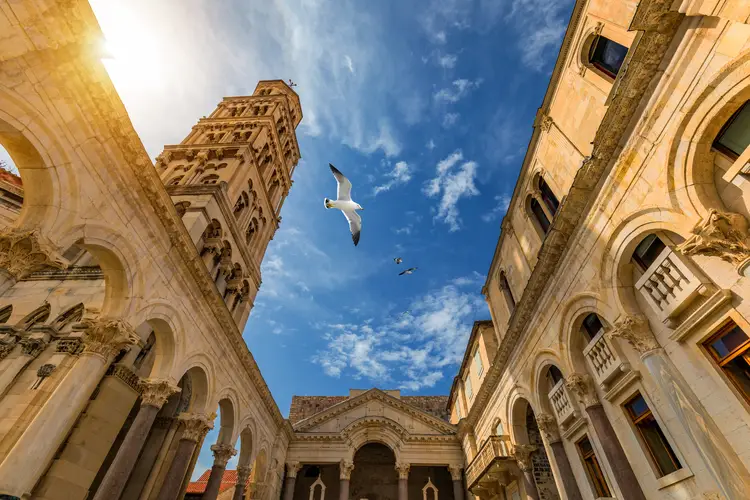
(465, 360)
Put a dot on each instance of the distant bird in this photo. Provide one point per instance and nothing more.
(408, 271)
(398, 260)
(291, 83)
(345, 204)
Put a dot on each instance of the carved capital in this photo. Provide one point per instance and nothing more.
(108, 336)
(403, 470)
(243, 472)
(455, 471)
(69, 346)
(6, 349)
(155, 392)
(345, 469)
(32, 347)
(548, 425)
(222, 454)
(546, 123)
(522, 454)
(196, 426)
(292, 468)
(24, 251)
(719, 234)
(636, 330)
(582, 386)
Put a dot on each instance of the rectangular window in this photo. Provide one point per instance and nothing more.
(458, 410)
(467, 384)
(478, 363)
(730, 349)
(652, 436)
(734, 138)
(607, 56)
(648, 251)
(593, 469)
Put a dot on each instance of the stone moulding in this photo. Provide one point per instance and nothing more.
(657, 26)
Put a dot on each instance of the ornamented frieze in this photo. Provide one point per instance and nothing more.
(24, 251)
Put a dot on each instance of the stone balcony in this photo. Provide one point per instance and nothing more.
(671, 284)
(605, 360)
(493, 460)
(561, 403)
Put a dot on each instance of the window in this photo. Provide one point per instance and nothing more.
(730, 349)
(467, 384)
(554, 375)
(735, 135)
(507, 293)
(662, 455)
(210, 179)
(548, 197)
(593, 469)
(647, 251)
(591, 326)
(539, 215)
(478, 363)
(607, 56)
(499, 429)
(458, 410)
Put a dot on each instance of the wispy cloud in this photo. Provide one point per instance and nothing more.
(458, 90)
(452, 184)
(430, 145)
(401, 174)
(450, 119)
(447, 61)
(502, 201)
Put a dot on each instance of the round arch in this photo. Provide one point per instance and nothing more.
(544, 360)
(164, 321)
(229, 410)
(246, 444)
(200, 384)
(518, 405)
(374, 430)
(573, 314)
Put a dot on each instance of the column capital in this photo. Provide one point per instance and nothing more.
(196, 425)
(582, 386)
(222, 453)
(24, 251)
(548, 425)
(292, 468)
(522, 454)
(345, 469)
(107, 336)
(455, 471)
(403, 470)
(636, 331)
(243, 472)
(32, 347)
(155, 392)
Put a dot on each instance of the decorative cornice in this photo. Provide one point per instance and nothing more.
(334, 437)
(126, 375)
(70, 273)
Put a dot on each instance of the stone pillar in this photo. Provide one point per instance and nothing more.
(458, 483)
(582, 386)
(522, 454)
(222, 454)
(30, 456)
(403, 480)
(291, 479)
(30, 349)
(155, 394)
(24, 251)
(345, 474)
(196, 427)
(713, 448)
(243, 472)
(548, 426)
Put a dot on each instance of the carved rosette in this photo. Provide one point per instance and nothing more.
(636, 331)
(108, 336)
(32, 347)
(24, 251)
(196, 426)
(155, 392)
(719, 234)
(222, 454)
(403, 470)
(69, 346)
(345, 469)
(522, 454)
(582, 386)
(455, 471)
(548, 425)
(292, 468)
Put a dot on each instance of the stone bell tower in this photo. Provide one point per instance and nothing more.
(228, 179)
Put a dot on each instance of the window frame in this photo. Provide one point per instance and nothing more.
(478, 363)
(593, 468)
(635, 421)
(638, 261)
(715, 144)
(468, 387)
(598, 66)
(726, 327)
(540, 217)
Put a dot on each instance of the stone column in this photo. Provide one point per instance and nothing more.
(30, 456)
(222, 454)
(243, 472)
(155, 394)
(24, 251)
(582, 386)
(458, 483)
(713, 448)
(291, 479)
(403, 480)
(548, 426)
(522, 454)
(345, 474)
(196, 427)
(30, 349)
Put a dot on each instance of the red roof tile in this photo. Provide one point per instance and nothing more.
(228, 481)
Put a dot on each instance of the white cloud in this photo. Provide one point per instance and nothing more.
(452, 184)
(430, 145)
(401, 174)
(501, 206)
(459, 89)
(447, 61)
(349, 64)
(450, 119)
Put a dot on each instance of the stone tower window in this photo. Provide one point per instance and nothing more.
(591, 327)
(539, 215)
(607, 56)
(593, 469)
(210, 179)
(730, 350)
(734, 137)
(647, 251)
(548, 197)
(662, 456)
(510, 302)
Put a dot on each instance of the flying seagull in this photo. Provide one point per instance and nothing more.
(345, 204)
(407, 271)
(398, 260)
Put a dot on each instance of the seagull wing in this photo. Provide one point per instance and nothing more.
(344, 192)
(402, 273)
(355, 224)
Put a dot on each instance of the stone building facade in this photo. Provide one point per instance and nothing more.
(617, 363)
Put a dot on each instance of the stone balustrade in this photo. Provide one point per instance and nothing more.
(495, 450)
(561, 403)
(605, 359)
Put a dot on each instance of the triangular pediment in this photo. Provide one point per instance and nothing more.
(374, 404)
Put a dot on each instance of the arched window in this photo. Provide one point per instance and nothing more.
(554, 375)
(210, 179)
(734, 136)
(175, 180)
(539, 215)
(145, 351)
(251, 230)
(5, 313)
(607, 56)
(241, 205)
(591, 327)
(647, 251)
(548, 197)
(72, 315)
(510, 302)
(38, 315)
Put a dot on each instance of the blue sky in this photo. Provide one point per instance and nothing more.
(425, 105)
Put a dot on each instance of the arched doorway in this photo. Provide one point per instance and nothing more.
(374, 476)
(526, 432)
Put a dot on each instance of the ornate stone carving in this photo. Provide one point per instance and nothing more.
(6, 349)
(45, 370)
(24, 251)
(69, 346)
(522, 454)
(345, 469)
(32, 347)
(108, 336)
(196, 426)
(292, 468)
(155, 392)
(719, 234)
(222, 453)
(636, 330)
(403, 470)
(455, 472)
(582, 386)
(546, 123)
(243, 472)
(126, 375)
(548, 425)
(163, 159)
(181, 207)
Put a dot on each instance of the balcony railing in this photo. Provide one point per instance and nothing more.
(496, 448)
(670, 284)
(605, 359)
(560, 400)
